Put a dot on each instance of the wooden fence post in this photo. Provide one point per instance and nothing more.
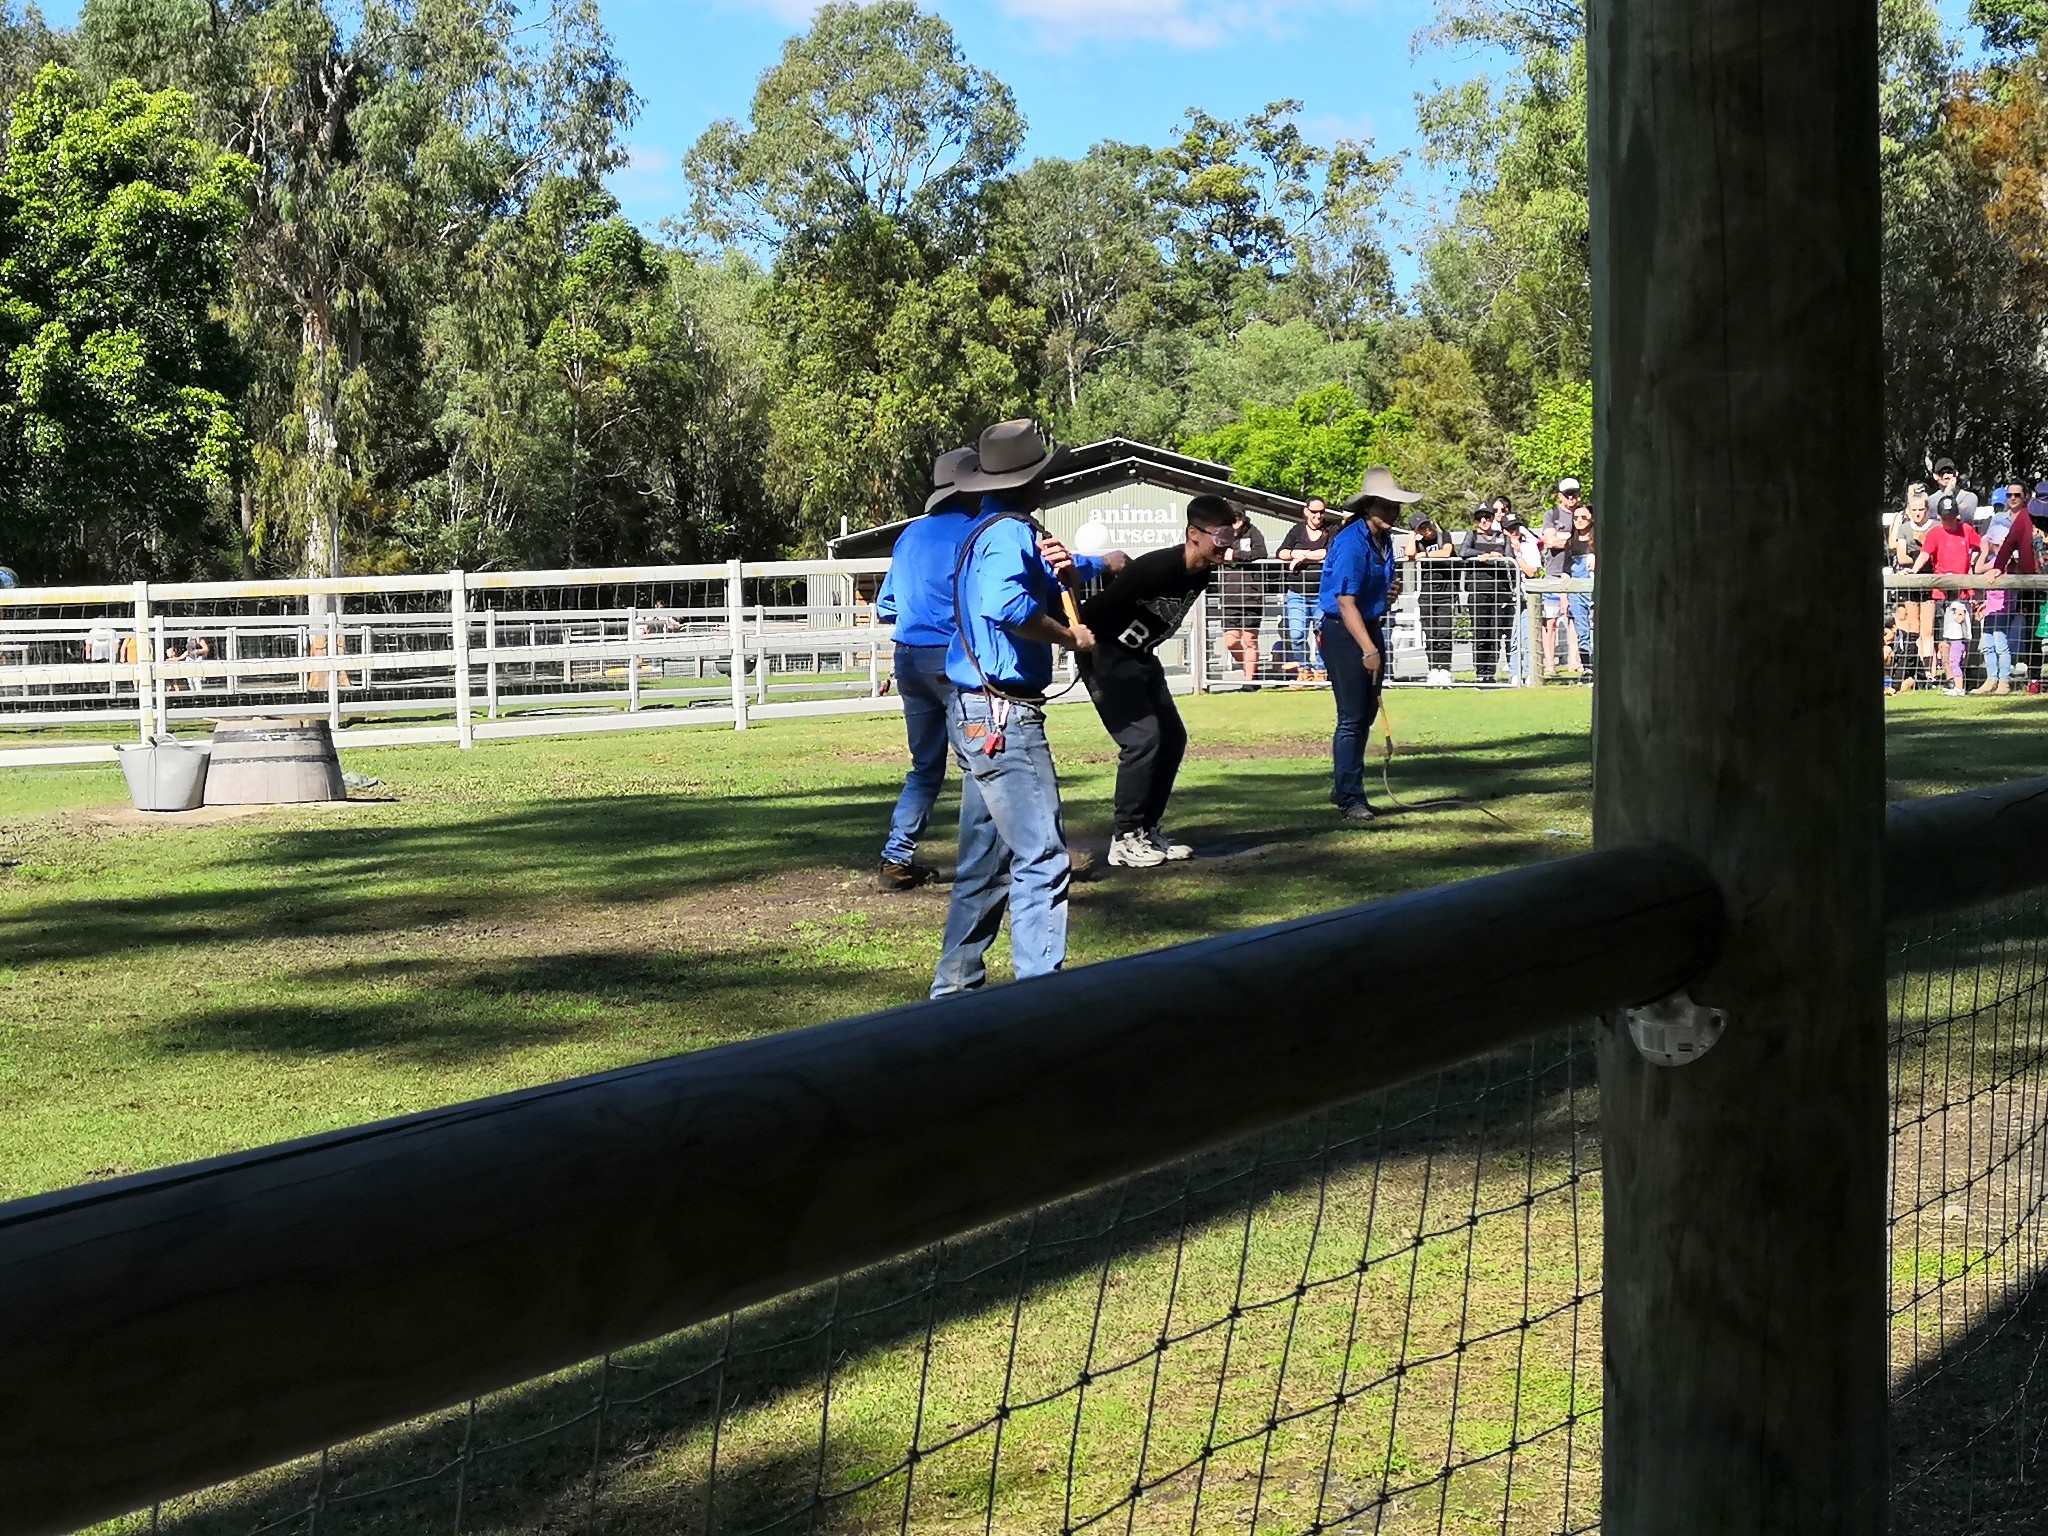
(1734, 181)
(458, 618)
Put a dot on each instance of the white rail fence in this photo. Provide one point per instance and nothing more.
(465, 656)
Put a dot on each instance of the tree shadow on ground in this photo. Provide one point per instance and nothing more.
(1968, 1430)
(542, 1456)
(361, 882)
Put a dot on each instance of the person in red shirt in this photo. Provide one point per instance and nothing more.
(1951, 547)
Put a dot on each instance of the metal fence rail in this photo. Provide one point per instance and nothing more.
(462, 657)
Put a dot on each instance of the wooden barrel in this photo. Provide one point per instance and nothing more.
(273, 762)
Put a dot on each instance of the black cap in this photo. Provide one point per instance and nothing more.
(1947, 506)
(1513, 520)
(1418, 522)
(1944, 466)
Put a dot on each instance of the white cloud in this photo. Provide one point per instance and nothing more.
(1177, 23)
(647, 179)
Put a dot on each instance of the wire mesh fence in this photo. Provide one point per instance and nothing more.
(1969, 1038)
(1382, 1319)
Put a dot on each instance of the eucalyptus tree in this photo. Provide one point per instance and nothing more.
(389, 141)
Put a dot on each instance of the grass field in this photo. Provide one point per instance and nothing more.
(541, 908)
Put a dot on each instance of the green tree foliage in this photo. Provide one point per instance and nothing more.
(885, 357)
(872, 113)
(1320, 445)
(118, 385)
(1559, 441)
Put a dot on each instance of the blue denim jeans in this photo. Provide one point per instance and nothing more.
(1296, 611)
(1358, 701)
(1999, 631)
(921, 684)
(1013, 849)
(1580, 606)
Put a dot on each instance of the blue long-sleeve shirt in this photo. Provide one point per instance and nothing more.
(917, 593)
(1003, 583)
(1360, 566)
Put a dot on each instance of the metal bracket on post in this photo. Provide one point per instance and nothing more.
(736, 618)
(1675, 1031)
(458, 617)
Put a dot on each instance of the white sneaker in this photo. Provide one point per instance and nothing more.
(1952, 692)
(1174, 852)
(1134, 850)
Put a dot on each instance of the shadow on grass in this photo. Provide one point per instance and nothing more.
(1968, 1430)
(632, 1438)
(439, 1012)
(587, 854)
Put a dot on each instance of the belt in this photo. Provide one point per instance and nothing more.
(1015, 698)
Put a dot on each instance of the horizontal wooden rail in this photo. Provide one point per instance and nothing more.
(172, 1329)
(1949, 852)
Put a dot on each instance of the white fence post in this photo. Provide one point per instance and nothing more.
(633, 660)
(491, 662)
(1198, 643)
(158, 650)
(736, 618)
(334, 666)
(458, 616)
(145, 662)
(761, 654)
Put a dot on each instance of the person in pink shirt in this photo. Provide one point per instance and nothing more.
(1952, 547)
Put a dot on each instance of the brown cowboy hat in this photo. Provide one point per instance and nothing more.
(1380, 485)
(946, 472)
(1011, 454)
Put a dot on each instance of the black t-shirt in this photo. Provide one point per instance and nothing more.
(1306, 577)
(1146, 604)
(1244, 584)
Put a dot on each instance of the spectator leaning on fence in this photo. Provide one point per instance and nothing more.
(1490, 578)
(1242, 596)
(1436, 594)
(1527, 550)
(1557, 533)
(1951, 548)
(1130, 619)
(917, 597)
(1013, 844)
(1302, 552)
(1995, 613)
(1913, 616)
(1360, 582)
(1578, 564)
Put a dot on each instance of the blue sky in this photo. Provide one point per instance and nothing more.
(1082, 70)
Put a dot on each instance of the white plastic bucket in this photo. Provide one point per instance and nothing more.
(164, 775)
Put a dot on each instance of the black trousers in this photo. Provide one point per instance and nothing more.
(1492, 586)
(1437, 596)
(1130, 695)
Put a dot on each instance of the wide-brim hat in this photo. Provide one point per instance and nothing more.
(1011, 454)
(1380, 485)
(946, 472)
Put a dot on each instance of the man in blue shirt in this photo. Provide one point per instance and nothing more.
(1013, 843)
(917, 597)
(1359, 585)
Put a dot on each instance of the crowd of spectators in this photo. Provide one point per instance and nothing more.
(1947, 637)
(1477, 572)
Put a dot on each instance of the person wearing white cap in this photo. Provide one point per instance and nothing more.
(1360, 582)
(1557, 534)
